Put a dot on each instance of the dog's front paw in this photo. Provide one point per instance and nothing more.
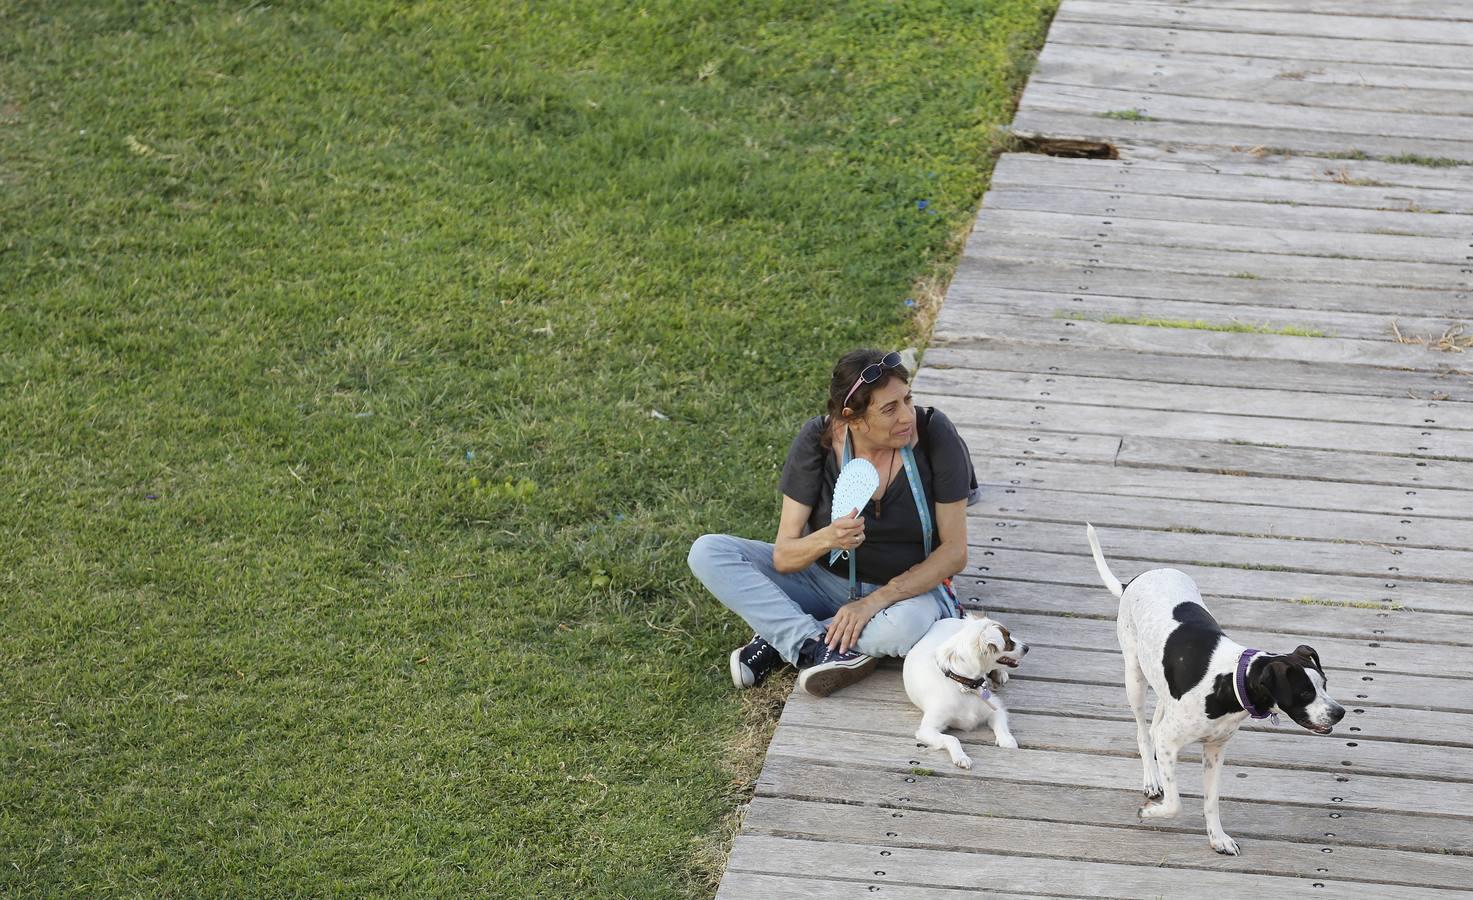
(963, 761)
(999, 677)
(1153, 790)
(1007, 742)
(1225, 845)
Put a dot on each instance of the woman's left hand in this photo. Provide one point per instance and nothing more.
(849, 621)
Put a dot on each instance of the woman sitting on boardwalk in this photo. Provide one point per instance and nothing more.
(797, 594)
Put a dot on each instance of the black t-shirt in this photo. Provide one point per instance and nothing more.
(893, 542)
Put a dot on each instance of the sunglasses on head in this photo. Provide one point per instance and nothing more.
(872, 372)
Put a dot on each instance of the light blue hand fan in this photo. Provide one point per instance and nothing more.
(857, 483)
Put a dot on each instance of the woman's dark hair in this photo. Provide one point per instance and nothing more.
(846, 372)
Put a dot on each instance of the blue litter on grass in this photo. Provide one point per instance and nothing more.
(909, 302)
(922, 204)
(470, 454)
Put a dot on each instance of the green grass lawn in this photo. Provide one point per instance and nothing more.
(343, 550)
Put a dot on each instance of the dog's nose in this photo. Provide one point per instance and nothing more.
(1022, 649)
(1337, 714)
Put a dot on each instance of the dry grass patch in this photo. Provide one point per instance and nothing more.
(1454, 340)
(746, 751)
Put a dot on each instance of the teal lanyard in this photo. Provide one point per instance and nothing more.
(917, 492)
(913, 475)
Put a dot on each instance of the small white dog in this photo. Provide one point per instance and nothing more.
(947, 677)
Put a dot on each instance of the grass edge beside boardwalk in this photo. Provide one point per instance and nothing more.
(366, 370)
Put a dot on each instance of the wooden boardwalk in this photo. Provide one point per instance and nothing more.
(1312, 471)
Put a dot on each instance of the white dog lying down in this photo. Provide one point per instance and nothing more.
(946, 677)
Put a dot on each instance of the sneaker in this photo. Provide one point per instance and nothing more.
(750, 665)
(823, 671)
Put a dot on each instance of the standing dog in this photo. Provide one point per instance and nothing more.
(947, 677)
(1205, 685)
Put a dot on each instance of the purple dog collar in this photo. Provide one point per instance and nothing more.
(1240, 686)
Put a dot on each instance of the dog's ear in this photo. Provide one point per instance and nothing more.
(1306, 653)
(947, 656)
(1274, 679)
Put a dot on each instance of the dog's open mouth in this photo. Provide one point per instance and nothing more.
(1007, 661)
(1322, 729)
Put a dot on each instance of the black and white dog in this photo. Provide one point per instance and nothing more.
(1205, 685)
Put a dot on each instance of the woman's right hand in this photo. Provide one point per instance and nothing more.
(848, 532)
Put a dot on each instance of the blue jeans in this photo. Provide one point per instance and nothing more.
(788, 608)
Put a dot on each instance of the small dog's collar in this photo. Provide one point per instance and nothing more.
(1240, 686)
(973, 683)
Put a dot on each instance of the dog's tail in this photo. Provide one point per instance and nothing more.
(1106, 575)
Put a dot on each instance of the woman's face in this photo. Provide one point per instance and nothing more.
(890, 420)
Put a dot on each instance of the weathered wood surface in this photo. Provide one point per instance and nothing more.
(978, 870)
(1319, 489)
(1082, 250)
(1274, 181)
(1158, 368)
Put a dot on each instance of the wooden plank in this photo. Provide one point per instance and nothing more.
(799, 886)
(1044, 413)
(998, 472)
(1287, 617)
(1262, 400)
(1089, 447)
(1053, 566)
(1166, 452)
(987, 871)
(1289, 747)
(1446, 12)
(1389, 725)
(798, 778)
(1060, 840)
(1010, 265)
(1450, 230)
(1221, 517)
(1096, 306)
(1340, 184)
(1164, 106)
(1066, 32)
(1000, 356)
(1144, 83)
(1405, 88)
(1038, 123)
(1119, 229)
(954, 326)
(1267, 22)
(1140, 257)
(1147, 159)
(1054, 289)
(1272, 785)
(1407, 567)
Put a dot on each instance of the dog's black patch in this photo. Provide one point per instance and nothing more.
(1223, 700)
(1189, 648)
